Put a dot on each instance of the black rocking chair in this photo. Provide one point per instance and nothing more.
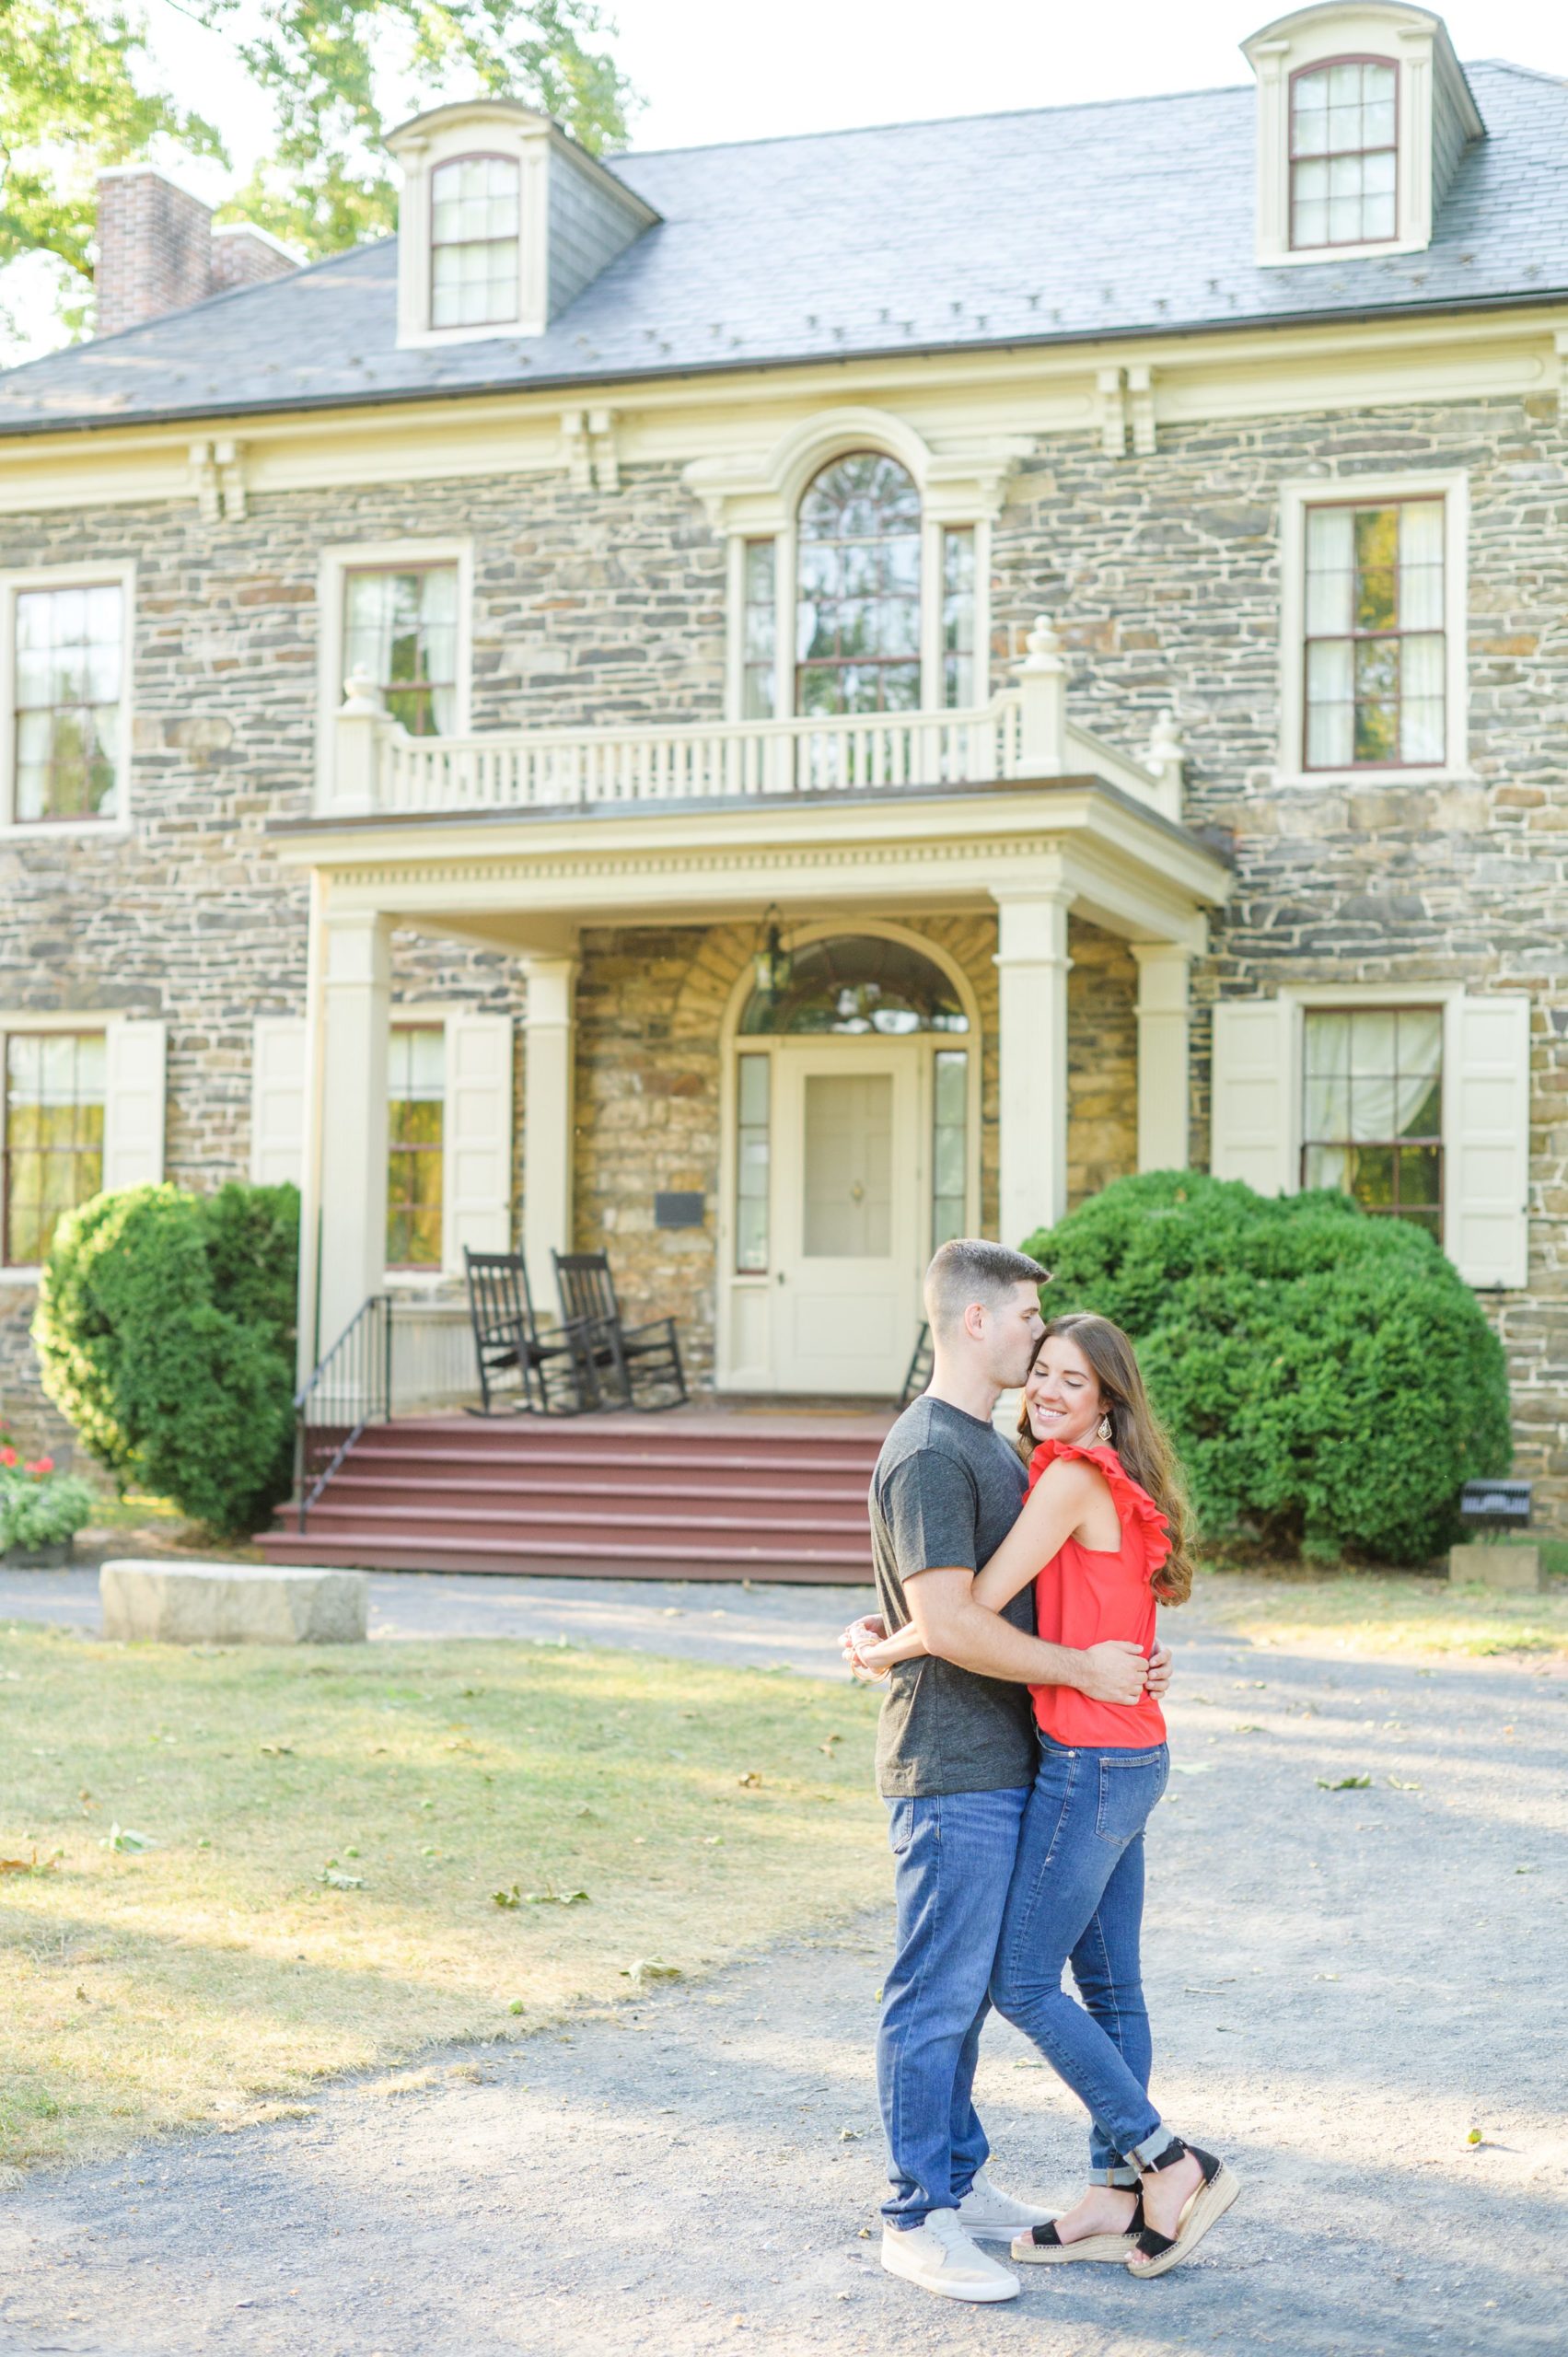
(621, 1361)
(921, 1368)
(552, 1369)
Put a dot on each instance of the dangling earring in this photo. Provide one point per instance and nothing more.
(1104, 1427)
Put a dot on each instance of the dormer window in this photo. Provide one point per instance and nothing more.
(1343, 154)
(502, 222)
(473, 241)
(1363, 118)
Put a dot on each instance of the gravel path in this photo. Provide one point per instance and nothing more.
(792, 1628)
(1344, 1985)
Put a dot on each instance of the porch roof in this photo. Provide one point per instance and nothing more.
(516, 877)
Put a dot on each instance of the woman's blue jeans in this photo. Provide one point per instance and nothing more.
(1077, 1897)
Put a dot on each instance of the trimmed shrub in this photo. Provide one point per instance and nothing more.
(1330, 1379)
(165, 1330)
(38, 1506)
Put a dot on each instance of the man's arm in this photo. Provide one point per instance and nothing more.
(870, 1652)
(955, 1628)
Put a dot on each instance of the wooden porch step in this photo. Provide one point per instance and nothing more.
(688, 1497)
(586, 1518)
(666, 1500)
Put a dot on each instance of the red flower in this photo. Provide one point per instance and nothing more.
(41, 1465)
(8, 1457)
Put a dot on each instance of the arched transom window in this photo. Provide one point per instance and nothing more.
(857, 609)
(473, 241)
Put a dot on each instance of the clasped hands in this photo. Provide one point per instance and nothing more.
(1114, 1671)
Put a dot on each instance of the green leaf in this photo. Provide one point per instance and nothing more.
(648, 1968)
(335, 1880)
(122, 1838)
(1344, 1784)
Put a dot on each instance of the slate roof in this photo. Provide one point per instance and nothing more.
(1135, 217)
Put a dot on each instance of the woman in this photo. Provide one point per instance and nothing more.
(1103, 1534)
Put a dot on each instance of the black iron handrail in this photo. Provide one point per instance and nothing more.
(351, 1388)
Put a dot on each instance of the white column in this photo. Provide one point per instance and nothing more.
(550, 1032)
(1163, 1071)
(1032, 963)
(356, 984)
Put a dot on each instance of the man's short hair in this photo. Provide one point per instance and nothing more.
(970, 1269)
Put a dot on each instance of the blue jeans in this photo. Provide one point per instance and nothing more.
(954, 1858)
(1077, 1897)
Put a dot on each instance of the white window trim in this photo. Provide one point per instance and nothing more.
(337, 561)
(521, 139)
(1303, 998)
(418, 1015)
(1295, 498)
(1419, 49)
(122, 575)
(785, 540)
(19, 1272)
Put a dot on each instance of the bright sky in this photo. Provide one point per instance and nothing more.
(710, 70)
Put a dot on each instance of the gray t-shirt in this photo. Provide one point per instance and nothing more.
(946, 1489)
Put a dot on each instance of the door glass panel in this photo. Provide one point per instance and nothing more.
(849, 1166)
(751, 1166)
(950, 1104)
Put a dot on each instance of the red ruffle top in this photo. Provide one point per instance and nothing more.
(1087, 1594)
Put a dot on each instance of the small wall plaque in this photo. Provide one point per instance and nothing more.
(678, 1210)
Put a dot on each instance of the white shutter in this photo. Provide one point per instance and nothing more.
(277, 1099)
(133, 1104)
(1486, 1139)
(1253, 1118)
(477, 1132)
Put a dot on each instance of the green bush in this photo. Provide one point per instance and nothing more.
(1329, 1379)
(40, 1508)
(165, 1332)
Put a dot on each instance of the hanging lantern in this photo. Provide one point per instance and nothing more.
(771, 963)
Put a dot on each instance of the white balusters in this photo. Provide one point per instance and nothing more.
(1021, 736)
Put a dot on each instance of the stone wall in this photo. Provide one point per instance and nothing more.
(651, 1010)
(1163, 572)
(1164, 576)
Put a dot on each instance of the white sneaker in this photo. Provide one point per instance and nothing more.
(940, 2257)
(985, 2210)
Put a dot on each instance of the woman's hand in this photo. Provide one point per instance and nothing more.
(857, 1640)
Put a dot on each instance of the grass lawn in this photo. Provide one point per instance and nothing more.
(703, 1811)
(1371, 1612)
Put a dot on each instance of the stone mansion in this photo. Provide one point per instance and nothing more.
(768, 704)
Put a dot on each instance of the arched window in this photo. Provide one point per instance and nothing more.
(473, 241)
(857, 611)
(854, 985)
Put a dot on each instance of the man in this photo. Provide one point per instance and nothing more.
(956, 1759)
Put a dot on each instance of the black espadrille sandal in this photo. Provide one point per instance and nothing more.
(1043, 2246)
(1156, 2253)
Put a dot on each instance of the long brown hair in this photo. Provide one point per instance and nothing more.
(1137, 1435)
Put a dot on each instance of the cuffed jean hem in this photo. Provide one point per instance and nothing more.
(1125, 2179)
(1151, 2148)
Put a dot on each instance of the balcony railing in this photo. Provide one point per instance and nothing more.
(1022, 735)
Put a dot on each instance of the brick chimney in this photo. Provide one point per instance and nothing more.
(157, 251)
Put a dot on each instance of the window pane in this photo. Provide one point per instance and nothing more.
(1328, 1106)
(752, 1077)
(857, 618)
(1329, 703)
(1326, 1166)
(53, 1135)
(1394, 1093)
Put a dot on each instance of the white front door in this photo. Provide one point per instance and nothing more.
(848, 1182)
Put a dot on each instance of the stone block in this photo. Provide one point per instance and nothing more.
(232, 1603)
(1516, 1569)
